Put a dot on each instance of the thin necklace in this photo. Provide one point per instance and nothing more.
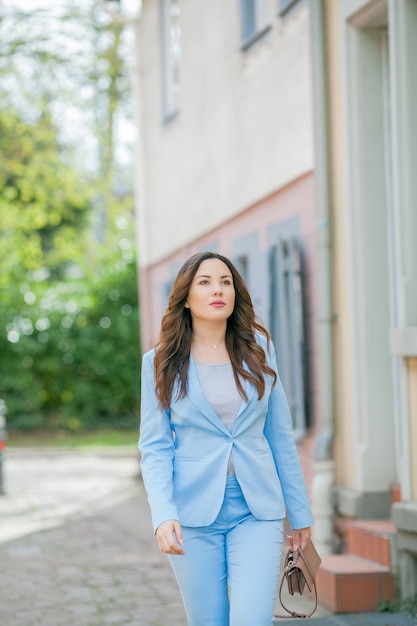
(210, 345)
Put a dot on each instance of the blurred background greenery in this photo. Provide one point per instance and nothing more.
(69, 321)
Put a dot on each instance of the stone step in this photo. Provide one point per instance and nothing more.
(371, 539)
(347, 583)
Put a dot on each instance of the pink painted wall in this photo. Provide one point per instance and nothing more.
(295, 199)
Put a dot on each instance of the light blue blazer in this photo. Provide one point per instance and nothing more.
(185, 451)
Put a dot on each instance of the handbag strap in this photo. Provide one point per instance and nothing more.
(293, 614)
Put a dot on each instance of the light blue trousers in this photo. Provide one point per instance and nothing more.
(229, 573)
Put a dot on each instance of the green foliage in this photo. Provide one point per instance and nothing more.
(72, 60)
(69, 344)
(70, 353)
(43, 205)
(409, 606)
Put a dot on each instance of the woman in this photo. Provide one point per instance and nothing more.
(219, 461)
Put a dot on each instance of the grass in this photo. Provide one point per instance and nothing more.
(65, 439)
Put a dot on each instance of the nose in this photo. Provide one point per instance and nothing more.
(218, 288)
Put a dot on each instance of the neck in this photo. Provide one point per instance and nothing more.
(209, 336)
(207, 343)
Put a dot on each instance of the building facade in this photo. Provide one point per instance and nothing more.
(227, 159)
(371, 133)
(283, 134)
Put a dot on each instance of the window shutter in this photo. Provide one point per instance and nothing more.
(287, 325)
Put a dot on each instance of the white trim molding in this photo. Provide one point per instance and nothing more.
(403, 341)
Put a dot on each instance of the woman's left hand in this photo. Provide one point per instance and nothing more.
(299, 538)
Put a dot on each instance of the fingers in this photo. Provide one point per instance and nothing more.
(169, 537)
(299, 538)
(178, 533)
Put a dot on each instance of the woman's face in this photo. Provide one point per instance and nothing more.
(212, 294)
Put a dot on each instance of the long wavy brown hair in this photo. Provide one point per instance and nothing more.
(172, 354)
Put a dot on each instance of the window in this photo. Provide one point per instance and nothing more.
(287, 324)
(255, 20)
(251, 263)
(242, 264)
(170, 54)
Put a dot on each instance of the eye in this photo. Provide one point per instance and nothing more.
(227, 281)
(204, 281)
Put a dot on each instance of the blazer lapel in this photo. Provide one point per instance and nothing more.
(250, 392)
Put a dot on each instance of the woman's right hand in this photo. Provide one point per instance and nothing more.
(169, 537)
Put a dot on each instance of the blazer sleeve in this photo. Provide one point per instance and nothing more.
(279, 433)
(156, 446)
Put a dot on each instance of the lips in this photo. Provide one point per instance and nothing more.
(218, 303)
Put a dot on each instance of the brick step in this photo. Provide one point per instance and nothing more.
(371, 540)
(347, 583)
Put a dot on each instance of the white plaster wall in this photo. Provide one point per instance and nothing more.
(244, 127)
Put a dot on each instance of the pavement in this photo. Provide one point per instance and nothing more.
(77, 547)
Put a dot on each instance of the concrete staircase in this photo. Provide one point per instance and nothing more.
(363, 577)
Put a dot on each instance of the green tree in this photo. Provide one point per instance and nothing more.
(43, 205)
(72, 61)
(70, 352)
(69, 340)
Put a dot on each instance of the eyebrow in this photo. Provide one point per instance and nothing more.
(208, 276)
